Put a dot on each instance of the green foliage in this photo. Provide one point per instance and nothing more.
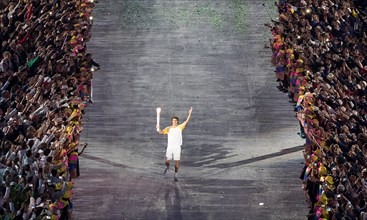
(241, 9)
(221, 15)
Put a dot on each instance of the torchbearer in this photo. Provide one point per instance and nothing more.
(174, 133)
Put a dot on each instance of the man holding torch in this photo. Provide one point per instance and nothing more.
(174, 133)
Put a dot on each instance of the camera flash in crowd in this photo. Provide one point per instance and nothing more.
(91, 18)
(91, 1)
(308, 11)
(298, 37)
(92, 69)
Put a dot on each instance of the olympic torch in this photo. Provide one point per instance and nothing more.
(158, 117)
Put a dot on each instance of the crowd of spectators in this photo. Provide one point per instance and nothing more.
(45, 83)
(319, 50)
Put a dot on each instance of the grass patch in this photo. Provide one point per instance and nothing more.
(240, 9)
(223, 16)
(211, 16)
(134, 13)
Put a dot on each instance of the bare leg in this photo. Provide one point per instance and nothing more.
(73, 173)
(167, 162)
(167, 166)
(177, 165)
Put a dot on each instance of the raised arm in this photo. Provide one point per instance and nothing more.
(188, 117)
(159, 130)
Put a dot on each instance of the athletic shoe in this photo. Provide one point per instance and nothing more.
(175, 177)
(166, 170)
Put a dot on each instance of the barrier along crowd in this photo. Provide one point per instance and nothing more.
(45, 84)
(319, 50)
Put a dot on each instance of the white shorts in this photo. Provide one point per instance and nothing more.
(173, 153)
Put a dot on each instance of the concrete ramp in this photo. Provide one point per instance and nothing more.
(241, 156)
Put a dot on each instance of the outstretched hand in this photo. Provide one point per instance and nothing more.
(190, 110)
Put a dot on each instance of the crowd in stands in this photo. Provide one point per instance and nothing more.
(319, 50)
(45, 83)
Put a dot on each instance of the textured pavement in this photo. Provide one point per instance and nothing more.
(241, 156)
